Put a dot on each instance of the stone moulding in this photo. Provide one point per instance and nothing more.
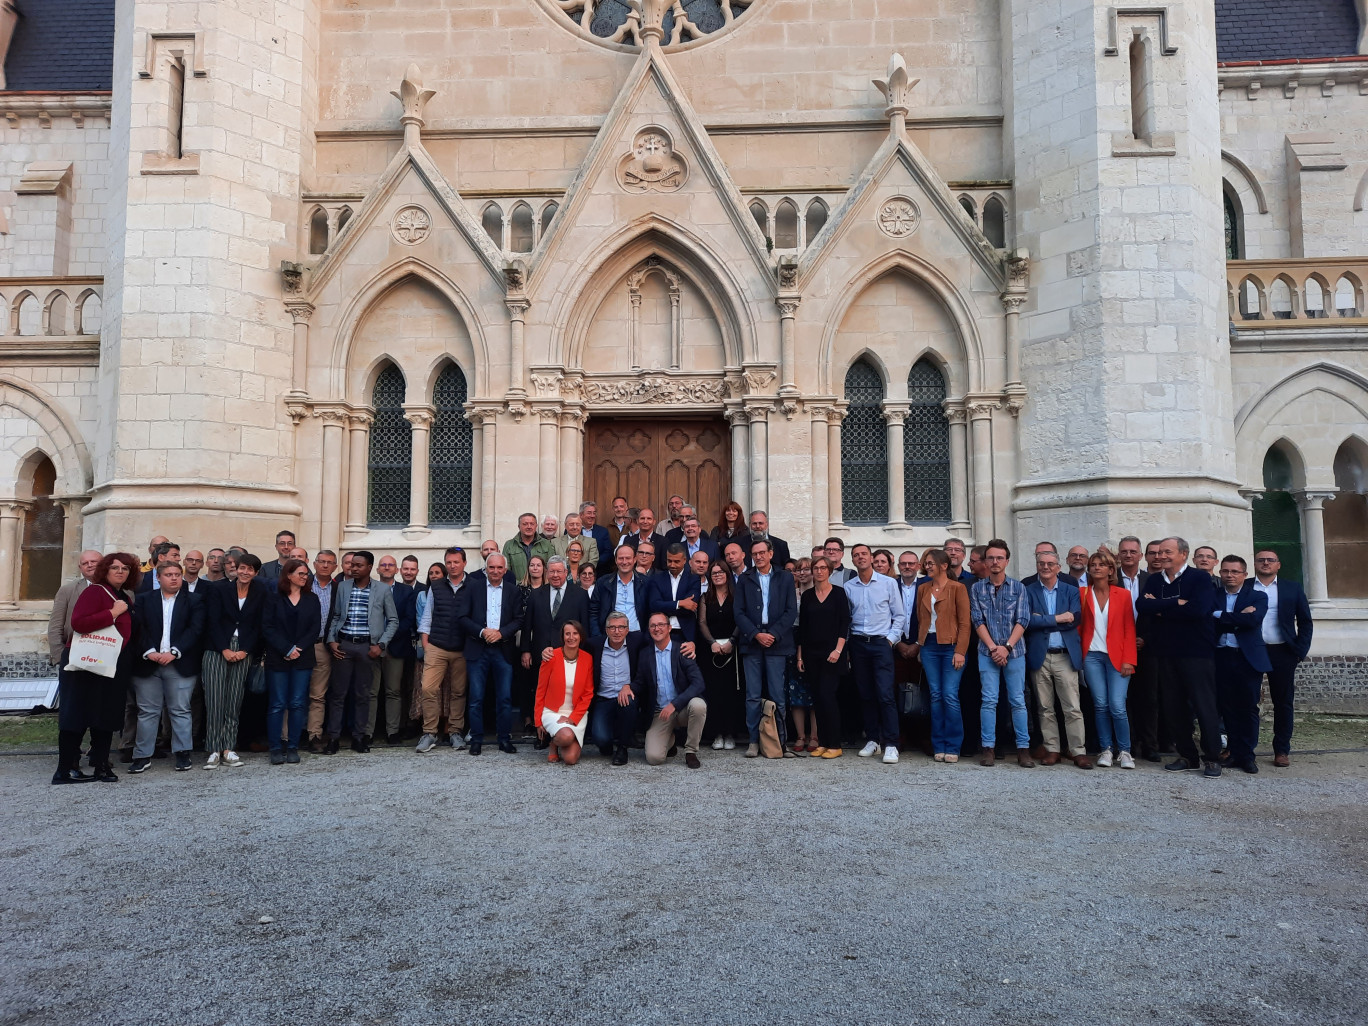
(653, 391)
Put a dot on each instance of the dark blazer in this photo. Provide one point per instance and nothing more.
(406, 605)
(605, 601)
(472, 603)
(662, 547)
(187, 631)
(781, 551)
(1068, 599)
(742, 539)
(1186, 631)
(1247, 627)
(595, 647)
(285, 628)
(222, 616)
(783, 612)
(542, 630)
(1294, 617)
(688, 679)
(661, 600)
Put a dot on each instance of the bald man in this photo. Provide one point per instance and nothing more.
(59, 621)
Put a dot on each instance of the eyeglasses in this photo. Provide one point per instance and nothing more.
(1266, 559)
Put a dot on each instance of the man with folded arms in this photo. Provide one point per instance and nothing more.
(1241, 660)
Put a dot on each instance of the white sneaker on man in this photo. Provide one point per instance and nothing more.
(212, 762)
(1125, 760)
(729, 744)
(890, 756)
(718, 743)
(230, 758)
(870, 748)
(426, 743)
(1105, 759)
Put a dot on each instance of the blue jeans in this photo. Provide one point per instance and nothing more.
(491, 665)
(610, 724)
(947, 725)
(1014, 675)
(871, 662)
(761, 669)
(1108, 689)
(286, 689)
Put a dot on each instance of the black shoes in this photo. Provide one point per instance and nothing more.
(277, 757)
(1249, 767)
(332, 747)
(541, 744)
(691, 760)
(360, 745)
(318, 746)
(182, 761)
(71, 776)
(620, 756)
(507, 746)
(1150, 755)
(475, 747)
(105, 774)
(1211, 768)
(125, 755)
(292, 756)
(394, 739)
(674, 750)
(140, 766)
(1179, 764)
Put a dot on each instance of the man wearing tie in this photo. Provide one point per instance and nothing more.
(548, 608)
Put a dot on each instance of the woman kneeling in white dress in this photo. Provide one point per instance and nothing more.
(565, 688)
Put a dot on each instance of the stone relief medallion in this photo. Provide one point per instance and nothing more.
(411, 225)
(653, 165)
(899, 217)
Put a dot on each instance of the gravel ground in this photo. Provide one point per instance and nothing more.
(392, 888)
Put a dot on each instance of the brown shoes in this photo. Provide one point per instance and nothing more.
(1040, 753)
(1083, 762)
(1282, 761)
(691, 760)
(1049, 759)
(1024, 759)
(986, 757)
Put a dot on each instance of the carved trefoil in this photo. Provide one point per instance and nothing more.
(653, 165)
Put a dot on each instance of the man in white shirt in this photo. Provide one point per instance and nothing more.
(1286, 632)
(170, 622)
(876, 623)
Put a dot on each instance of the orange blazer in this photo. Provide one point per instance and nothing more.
(1120, 626)
(551, 684)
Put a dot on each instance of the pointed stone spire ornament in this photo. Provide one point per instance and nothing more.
(895, 89)
(650, 15)
(414, 98)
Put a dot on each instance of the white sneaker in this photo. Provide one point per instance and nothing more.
(729, 744)
(426, 744)
(1105, 759)
(230, 758)
(1125, 760)
(890, 755)
(212, 762)
(718, 743)
(870, 748)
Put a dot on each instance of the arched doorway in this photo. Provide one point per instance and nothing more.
(40, 572)
(1277, 521)
(1346, 524)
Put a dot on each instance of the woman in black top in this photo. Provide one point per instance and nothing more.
(731, 527)
(823, 628)
(233, 626)
(717, 657)
(291, 624)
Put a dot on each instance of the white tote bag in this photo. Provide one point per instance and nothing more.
(97, 652)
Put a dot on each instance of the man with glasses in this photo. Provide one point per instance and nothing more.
(1000, 614)
(766, 612)
(1286, 632)
(1241, 660)
(876, 624)
(834, 550)
(671, 686)
(613, 712)
(759, 528)
(213, 565)
(954, 549)
(270, 572)
(1054, 658)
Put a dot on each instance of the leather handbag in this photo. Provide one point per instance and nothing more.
(915, 700)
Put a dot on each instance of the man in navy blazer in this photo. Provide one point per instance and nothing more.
(1241, 660)
(766, 612)
(613, 712)
(170, 630)
(490, 613)
(674, 703)
(676, 592)
(625, 591)
(1286, 634)
(1054, 658)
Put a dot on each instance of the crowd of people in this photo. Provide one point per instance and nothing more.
(639, 633)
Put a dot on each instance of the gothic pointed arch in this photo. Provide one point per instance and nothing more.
(68, 451)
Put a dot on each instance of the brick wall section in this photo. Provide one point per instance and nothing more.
(1268, 30)
(62, 44)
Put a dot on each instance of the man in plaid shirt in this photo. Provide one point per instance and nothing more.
(999, 613)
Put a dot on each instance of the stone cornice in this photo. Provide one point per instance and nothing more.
(46, 106)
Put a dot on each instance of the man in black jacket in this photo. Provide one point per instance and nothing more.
(670, 685)
(171, 623)
(490, 615)
(613, 712)
(548, 609)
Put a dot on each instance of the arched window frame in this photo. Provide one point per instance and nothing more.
(926, 446)
(451, 453)
(864, 447)
(1234, 223)
(318, 231)
(43, 532)
(389, 462)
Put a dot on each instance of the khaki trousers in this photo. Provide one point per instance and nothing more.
(443, 666)
(660, 736)
(318, 689)
(389, 671)
(1057, 676)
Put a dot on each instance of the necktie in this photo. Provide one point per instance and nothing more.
(555, 602)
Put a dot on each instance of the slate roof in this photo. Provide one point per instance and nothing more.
(61, 45)
(1270, 30)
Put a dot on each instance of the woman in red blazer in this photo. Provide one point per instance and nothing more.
(1108, 655)
(565, 687)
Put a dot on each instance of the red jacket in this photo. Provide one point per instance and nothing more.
(1120, 626)
(551, 685)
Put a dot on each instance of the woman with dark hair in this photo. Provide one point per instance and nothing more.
(292, 621)
(90, 701)
(731, 527)
(565, 687)
(943, 634)
(435, 572)
(884, 562)
(823, 630)
(717, 657)
(233, 625)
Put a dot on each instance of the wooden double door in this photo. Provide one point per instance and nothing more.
(649, 460)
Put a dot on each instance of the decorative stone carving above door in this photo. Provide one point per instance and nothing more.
(653, 165)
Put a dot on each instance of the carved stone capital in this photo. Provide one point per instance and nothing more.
(292, 278)
(838, 412)
(895, 412)
(297, 405)
(420, 416)
(819, 412)
(1314, 498)
(1017, 269)
(549, 414)
(515, 276)
(15, 508)
(757, 379)
(982, 409)
(955, 412)
(757, 412)
(1014, 399)
(545, 383)
(331, 415)
(300, 312)
(789, 406)
(572, 417)
(517, 409)
(788, 306)
(360, 420)
(1012, 302)
(787, 270)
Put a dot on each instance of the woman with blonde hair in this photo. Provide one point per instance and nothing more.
(943, 634)
(1106, 631)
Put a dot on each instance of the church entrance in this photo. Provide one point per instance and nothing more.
(649, 460)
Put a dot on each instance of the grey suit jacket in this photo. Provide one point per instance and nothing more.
(59, 622)
(384, 618)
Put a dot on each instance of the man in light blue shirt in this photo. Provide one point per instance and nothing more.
(671, 686)
(876, 625)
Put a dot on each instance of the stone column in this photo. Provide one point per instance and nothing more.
(835, 503)
(788, 309)
(818, 415)
(488, 483)
(11, 534)
(571, 461)
(1011, 304)
(1313, 548)
(421, 417)
(72, 505)
(517, 314)
(959, 467)
(981, 419)
(358, 478)
(330, 485)
(299, 375)
(740, 456)
(476, 465)
(759, 462)
(895, 415)
(548, 493)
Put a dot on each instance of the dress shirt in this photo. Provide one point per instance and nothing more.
(1132, 585)
(557, 597)
(909, 601)
(693, 546)
(876, 608)
(1272, 632)
(1227, 640)
(615, 670)
(675, 582)
(1054, 640)
(764, 596)
(189, 585)
(168, 607)
(358, 611)
(625, 603)
(493, 605)
(425, 618)
(1000, 608)
(324, 593)
(665, 689)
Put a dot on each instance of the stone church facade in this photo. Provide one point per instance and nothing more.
(392, 274)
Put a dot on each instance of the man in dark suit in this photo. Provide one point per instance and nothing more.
(766, 611)
(589, 520)
(171, 624)
(759, 528)
(613, 712)
(1142, 697)
(1054, 659)
(670, 685)
(1286, 631)
(396, 666)
(625, 592)
(547, 611)
(162, 553)
(490, 615)
(645, 529)
(1241, 660)
(1180, 599)
(675, 591)
(694, 540)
